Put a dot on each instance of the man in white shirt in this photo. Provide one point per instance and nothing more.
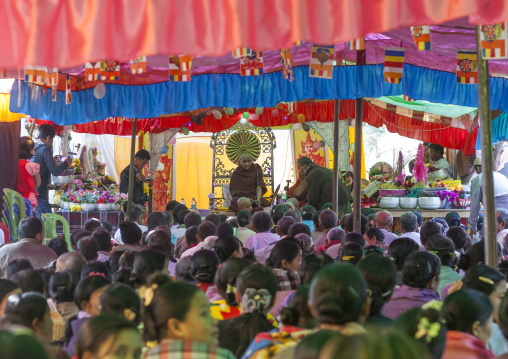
(135, 217)
(205, 230)
(408, 226)
(384, 221)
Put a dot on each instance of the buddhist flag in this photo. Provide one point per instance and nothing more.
(110, 70)
(138, 66)
(287, 64)
(421, 36)
(242, 51)
(3, 72)
(467, 67)
(394, 64)
(407, 98)
(180, 68)
(358, 44)
(493, 40)
(54, 91)
(35, 74)
(252, 65)
(92, 73)
(52, 76)
(321, 61)
(68, 92)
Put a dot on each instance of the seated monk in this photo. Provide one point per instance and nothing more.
(247, 181)
(299, 190)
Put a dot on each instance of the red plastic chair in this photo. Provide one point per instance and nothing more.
(5, 230)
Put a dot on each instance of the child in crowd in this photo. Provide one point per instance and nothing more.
(28, 178)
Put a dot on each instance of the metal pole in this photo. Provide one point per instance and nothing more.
(131, 170)
(357, 170)
(335, 188)
(489, 218)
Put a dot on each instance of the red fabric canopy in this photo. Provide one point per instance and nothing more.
(66, 33)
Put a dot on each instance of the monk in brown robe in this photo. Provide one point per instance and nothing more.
(247, 181)
(299, 190)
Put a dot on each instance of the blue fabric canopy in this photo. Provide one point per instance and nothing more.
(349, 82)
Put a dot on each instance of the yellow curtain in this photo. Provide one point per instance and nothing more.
(351, 147)
(5, 114)
(122, 153)
(194, 170)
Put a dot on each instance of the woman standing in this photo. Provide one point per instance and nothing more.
(28, 172)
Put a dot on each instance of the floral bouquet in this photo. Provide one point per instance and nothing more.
(448, 196)
(76, 166)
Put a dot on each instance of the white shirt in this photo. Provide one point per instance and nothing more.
(413, 235)
(208, 243)
(118, 235)
(500, 236)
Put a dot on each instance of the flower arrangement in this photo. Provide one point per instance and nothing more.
(75, 208)
(448, 196)
(420, 171)
(76, 166)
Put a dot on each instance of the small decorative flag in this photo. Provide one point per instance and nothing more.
(321, 61)
(110, 70)
(242, 51)
(138, 66)
(68, 92)
(35, 74)
(252, 65)
(287, 64)
(394, 64)
(29, 74)
(54, 91)
(92, 73)
(3, 72)
(52, 76)
(493, 40)
(421, 36)
(467, 67)
(407, 98)
(358, 44)
(180, 68)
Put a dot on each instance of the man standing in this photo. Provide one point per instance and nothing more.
(384, 221)
(140, 161)
(30, 247)
(43, 155)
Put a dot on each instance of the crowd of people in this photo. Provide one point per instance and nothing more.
(287, 283)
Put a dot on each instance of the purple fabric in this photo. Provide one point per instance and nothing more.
(76, 326)
(261, 240)
(405, 298)
(321, 241)
(264, 253)
(389, 236)
(285, 301)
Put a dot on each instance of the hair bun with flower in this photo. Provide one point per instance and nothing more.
(29, 140)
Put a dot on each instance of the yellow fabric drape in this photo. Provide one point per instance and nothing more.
(5, 114)
(194, 170)
(351, 147)
(122, 153)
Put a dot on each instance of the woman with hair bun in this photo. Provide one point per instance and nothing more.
(243, 219)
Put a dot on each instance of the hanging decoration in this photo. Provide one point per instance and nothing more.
(3, 72)
(110, 70)
(100, 90)
(138, 66)
(259, 111)
(68, 92)
(467, 67)
(180, 68)
(321, 61)
(407, 98)
(164, 150)
(246, 115)
(230, 111)
(252, 65)
(185, 130)
(301, 118)
(305, 127)
(494, 39)
(92, 72)
(287, 64)
(275, 112)
(394, 64)
(242, 51)
(217, 114)
(36, 74)
(254, 117)
(51, 76)
(358, 44)
(297, 126)
(421, 36)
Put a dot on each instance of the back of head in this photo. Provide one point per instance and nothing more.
(459, 237)
(243, 218)
(6, 287)
(183, 270)
(308, 212)
(225, 230)
(118, 298)
(383, 219)
(16, 266)
(131, 233)
(442, 247)
(31, 306)
(400, 249)
(29, 280)
(381, 276)
(284, 249)
(171, 206)
(168, 218)
(204, 264)
(86, 287)
(45, 130)
(337, 294)
(155, 220)
(328, 219)
(181, 216)
(420, 268)
(190, 235)
(297, 312)
(226, 277)
(127, 259)
(312, 264)
(463, 308)
(419, 217)
(483, 278)
(114, 261)
(355, 237)
(428, 229)
(30, 227)
(88, 247)
(298, 228)
(177, 210)
(135, 214)
(225, 247)
(452, 219)
(192, 219)
(92, 224)
(278, 211)
(350, 253)
(315, 221)
(313, 344)
(408, 222)
(261, 221)
(295, 214)
(59, 245)
(95, 268)
(257, 276)
(206, 229)
(160, 237)
(71, 261)
(107, 226)
(146, 263)
(376, 232)
(212, 217)
(62, 286)
(474, 256)
(284, 224)
(77, 235)
(336, 234)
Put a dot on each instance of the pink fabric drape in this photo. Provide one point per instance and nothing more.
(67, 33)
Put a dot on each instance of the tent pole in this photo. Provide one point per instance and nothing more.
(489, 221)
(131, 169)
(357, 170)
(335, 188)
